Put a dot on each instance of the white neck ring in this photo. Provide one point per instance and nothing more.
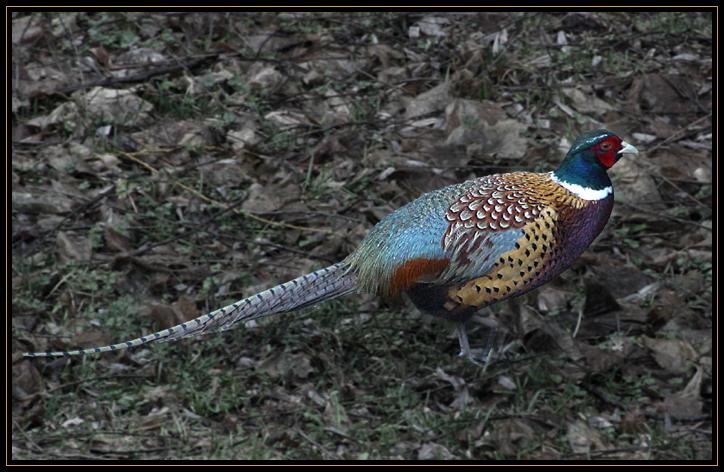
(580, 191)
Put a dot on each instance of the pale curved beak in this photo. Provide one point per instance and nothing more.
(628, 148)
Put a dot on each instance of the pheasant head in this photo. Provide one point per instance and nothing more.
(583, 171)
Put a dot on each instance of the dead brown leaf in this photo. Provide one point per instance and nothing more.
(665, 93)
(583, 439)
(119, 106)
(91, 338)
(511, 435)
(34, 203)
(585, 101)
(635, 185)
(673, 355)
(262, 199)
(687, 403)
(73, 246)
(433, 451)
(462, 394)
(431, 101)
(27, 381)
(483, 127)
(634, 422)
(283, 364)
(115, 240)
(27, 29)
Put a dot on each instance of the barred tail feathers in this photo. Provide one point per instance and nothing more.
(309, 289)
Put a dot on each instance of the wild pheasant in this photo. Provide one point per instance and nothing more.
(453, 251)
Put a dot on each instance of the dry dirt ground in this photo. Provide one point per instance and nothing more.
(166, 164)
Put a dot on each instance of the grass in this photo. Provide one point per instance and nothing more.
(356, 378)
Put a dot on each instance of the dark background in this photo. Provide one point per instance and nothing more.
(166, 164)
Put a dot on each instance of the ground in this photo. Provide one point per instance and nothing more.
(166, 164)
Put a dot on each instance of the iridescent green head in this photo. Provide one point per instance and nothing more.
(591, 155)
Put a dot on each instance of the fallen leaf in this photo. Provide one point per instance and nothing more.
(643, 137)
(285, 365)
(511, 435)
(598, 360)
(27, 29)
(38, 203)
(26, 380)
(73, 247)
(500, 38)
(586, 102)
(660, 94)
(245, 137)
(433, 26)
(634, 422)
(117, 106)
(433, 451)
(90, 338)
(431, 101)
(673, 355)
(583, 439)
(71, 422)
(287, 119)
(485, 129)
(582, 21)
(163, 315)
(262, 199)
(171, 133)
(635, 185)
(462, 394)
(264, 78)
(599, 300)
(551, 298)
(688, 402)
(135, 60)
(115, 240)
(66, 113)
(507, 383)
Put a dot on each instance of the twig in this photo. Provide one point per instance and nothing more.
(203, 197)
(578, 323)
(77, 212)
(294, 251)
(607, 452)
(78, 382)
(602, 396)
(682, 419)
(679, 133)
(322, 449)
(195, 228)
(668, 217)
(690, 196)
(141, 77)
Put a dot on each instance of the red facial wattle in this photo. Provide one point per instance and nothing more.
(606, 151)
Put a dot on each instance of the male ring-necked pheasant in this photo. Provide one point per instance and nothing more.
(453, 251)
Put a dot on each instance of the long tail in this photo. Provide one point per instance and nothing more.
(324, 284)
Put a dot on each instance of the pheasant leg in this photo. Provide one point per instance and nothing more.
(486, 354)
(465, 350)
(463, 340)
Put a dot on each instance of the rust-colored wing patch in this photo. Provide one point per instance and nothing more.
(414, 271)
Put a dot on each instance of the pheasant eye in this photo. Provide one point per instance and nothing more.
(606, 146)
